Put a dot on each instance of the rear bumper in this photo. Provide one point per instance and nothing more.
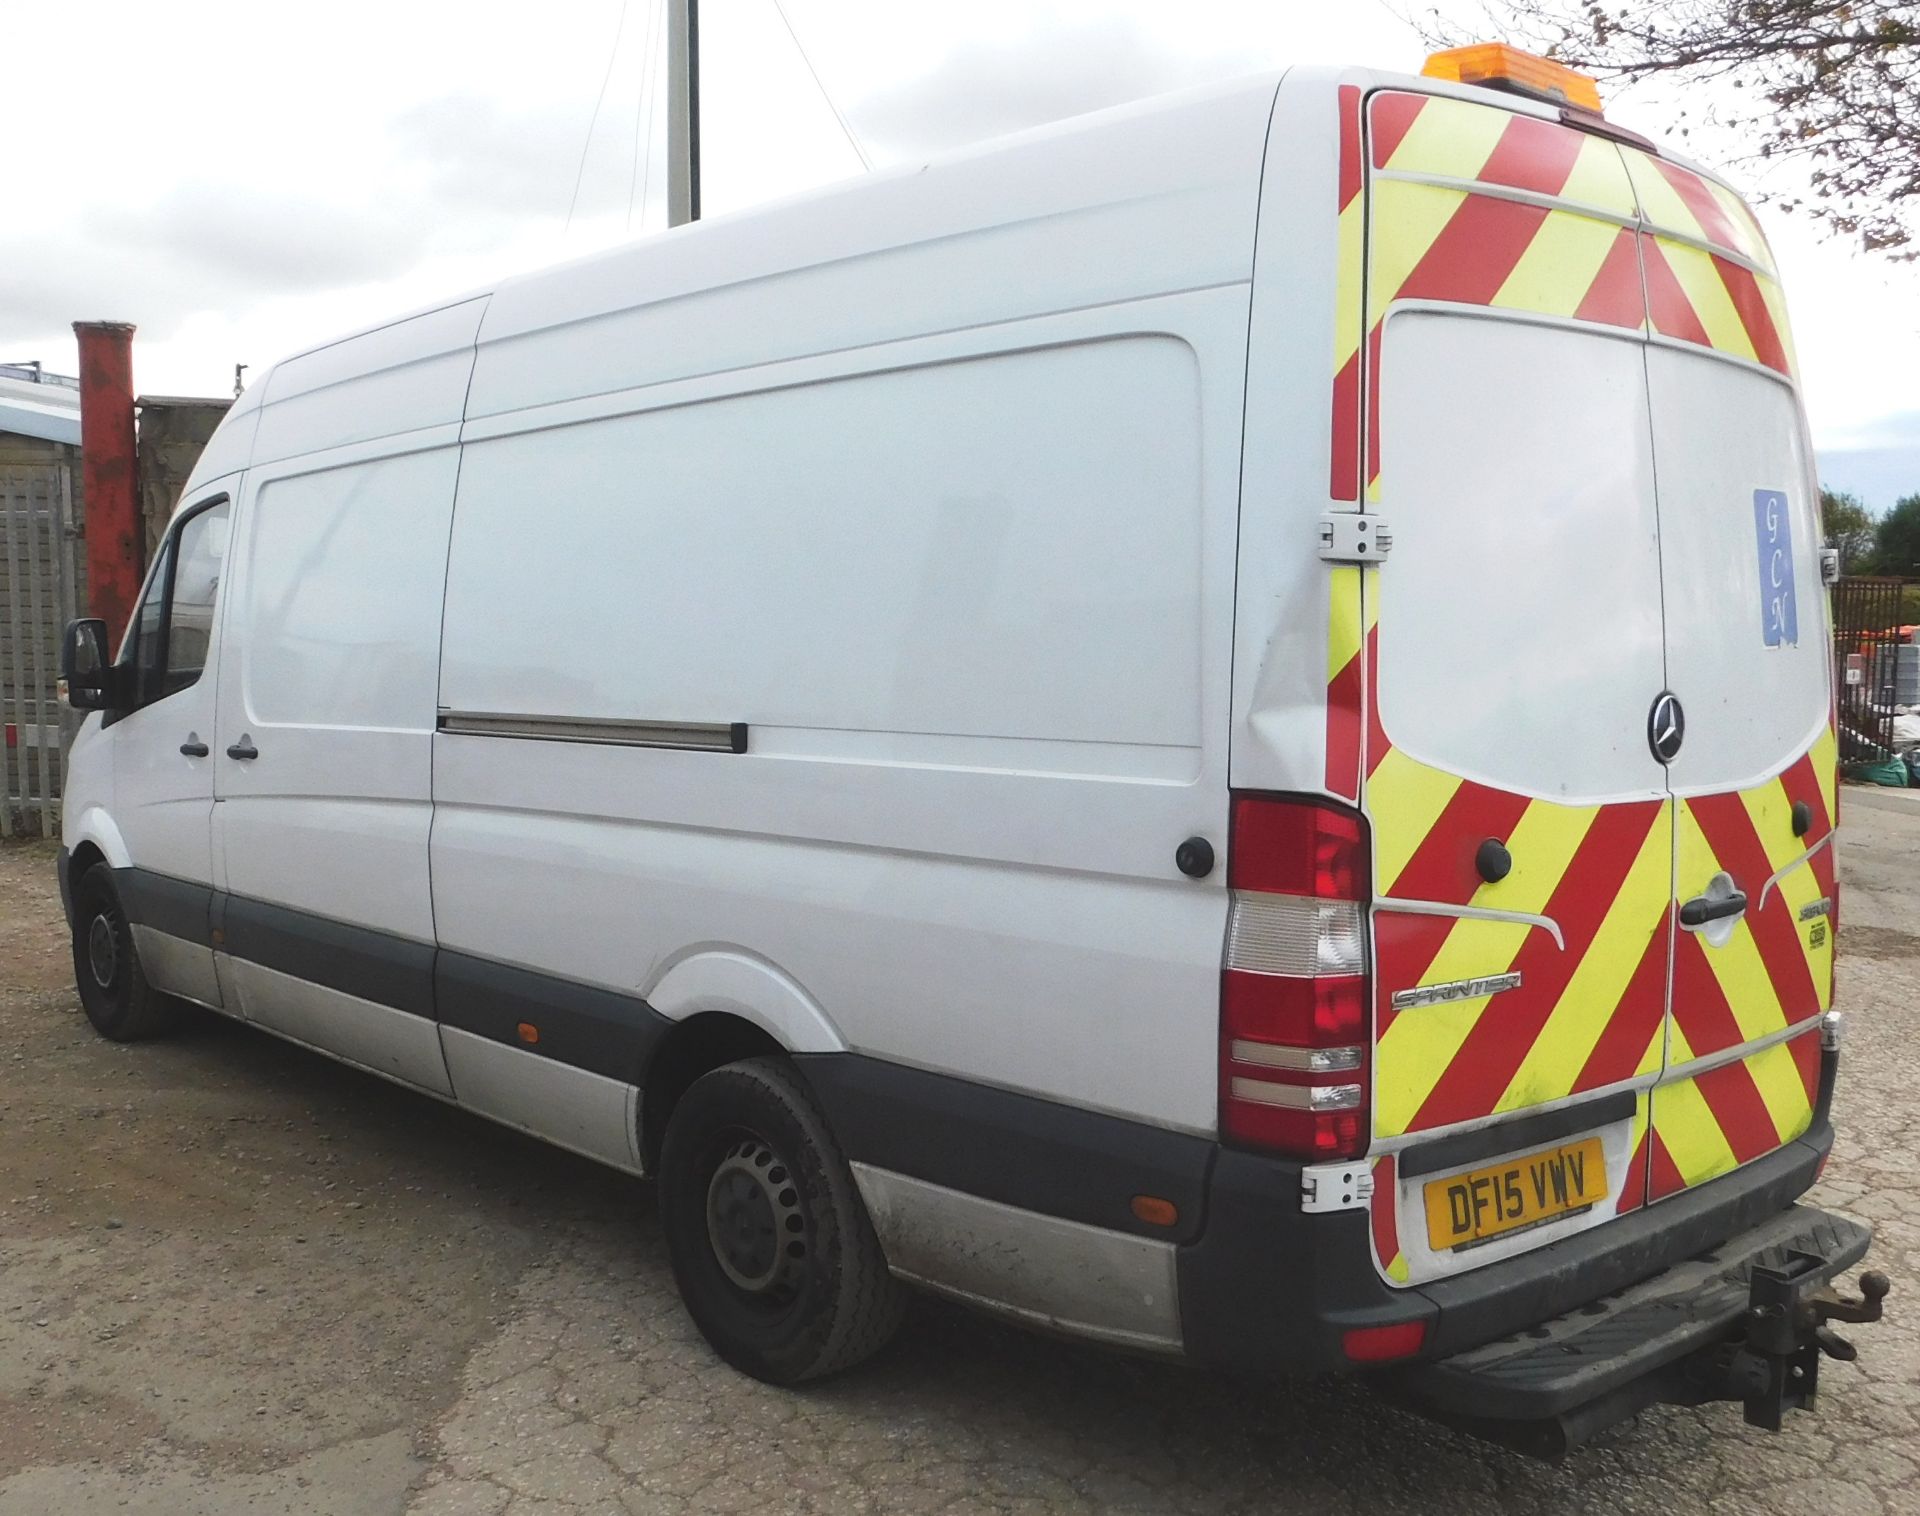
(1610, 1356)
(1268, 1289)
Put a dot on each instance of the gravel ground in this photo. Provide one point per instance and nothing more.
(237, 1277)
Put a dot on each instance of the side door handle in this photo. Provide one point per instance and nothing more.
(1704, 908)
(244, 748)
(193, 747)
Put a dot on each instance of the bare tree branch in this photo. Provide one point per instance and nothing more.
(1831, 85)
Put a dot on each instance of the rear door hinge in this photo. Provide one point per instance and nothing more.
(1351, 537)
(1335, 1187)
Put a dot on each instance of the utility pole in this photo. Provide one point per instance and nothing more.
(683, 111)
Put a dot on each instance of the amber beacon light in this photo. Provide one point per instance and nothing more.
(1498, 66)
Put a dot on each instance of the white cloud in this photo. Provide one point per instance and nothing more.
(243, 179)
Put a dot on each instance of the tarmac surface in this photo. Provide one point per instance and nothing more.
(237, 1277)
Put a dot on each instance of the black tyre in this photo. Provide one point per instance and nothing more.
(772, 1248)
(106, 967)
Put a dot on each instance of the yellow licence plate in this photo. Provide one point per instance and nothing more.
(1484, 1203)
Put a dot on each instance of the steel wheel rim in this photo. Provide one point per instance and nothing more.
(103, 951)
(755, 1227)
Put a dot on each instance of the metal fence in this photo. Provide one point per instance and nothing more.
(1868, 664)
(39, 589)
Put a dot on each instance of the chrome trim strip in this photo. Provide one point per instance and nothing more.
(1473, 913)
(1711, 1061)
(1643, 1084)
(1065, 1275)
(1785, 869)
(1584, 208)
(699, 736)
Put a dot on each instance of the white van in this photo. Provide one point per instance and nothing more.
(1209, 727)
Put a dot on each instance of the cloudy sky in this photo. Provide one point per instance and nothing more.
(244, 179)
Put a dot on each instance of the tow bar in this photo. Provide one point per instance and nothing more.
(1747, 1320)
(1775, 1366)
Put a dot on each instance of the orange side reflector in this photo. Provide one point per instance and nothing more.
(529, 1033)
(1528, 73)
(1155, 1211)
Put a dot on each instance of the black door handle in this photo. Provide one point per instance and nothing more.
(1704, 908)
(244, 748)
(194, 749)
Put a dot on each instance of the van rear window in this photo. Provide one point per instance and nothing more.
(1520, 612)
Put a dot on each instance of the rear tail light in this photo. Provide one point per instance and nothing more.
(1294, 1074)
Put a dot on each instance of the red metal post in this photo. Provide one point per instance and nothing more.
(109, 486)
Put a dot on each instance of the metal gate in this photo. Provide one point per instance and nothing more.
(39, 588)
(1868, 664)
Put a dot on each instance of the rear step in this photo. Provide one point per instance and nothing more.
(1744, 1321)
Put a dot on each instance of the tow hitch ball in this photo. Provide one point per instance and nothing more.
(1775, 1367)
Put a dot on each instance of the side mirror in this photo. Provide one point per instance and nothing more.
(86, 667)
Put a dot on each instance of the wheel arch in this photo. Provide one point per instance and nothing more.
(698, 1045)
(98, 840)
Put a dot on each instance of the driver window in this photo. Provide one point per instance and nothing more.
(200, 554)
(173, 628)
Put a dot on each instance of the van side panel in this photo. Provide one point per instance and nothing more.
(1133, 203)
(971, 600)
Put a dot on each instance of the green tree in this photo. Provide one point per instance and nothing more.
(1833, 85)
(1896, 541)
(1849, 526)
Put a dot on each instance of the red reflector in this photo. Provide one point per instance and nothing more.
(1294, 847)
(1303, 1134)
(1379, 1344)
(1303, 1013)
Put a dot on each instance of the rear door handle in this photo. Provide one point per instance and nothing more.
(1704, 908)
(193, 747)
(244, 748)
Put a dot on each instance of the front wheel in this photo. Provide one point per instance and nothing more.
(771, 1246)
(106, 967)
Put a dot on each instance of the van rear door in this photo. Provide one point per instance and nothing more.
(1747, 660)
(1522, 826)
(1598, 764)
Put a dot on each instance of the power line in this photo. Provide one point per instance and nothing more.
(599, 100)
(845, 125)
(644, 112)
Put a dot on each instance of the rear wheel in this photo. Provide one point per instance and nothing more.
(771, 1246)
(106, 967)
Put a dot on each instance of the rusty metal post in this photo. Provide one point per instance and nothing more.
(109, 483)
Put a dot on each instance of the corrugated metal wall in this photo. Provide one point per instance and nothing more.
(42, 582)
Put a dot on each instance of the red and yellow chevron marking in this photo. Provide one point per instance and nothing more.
(1478, 206)
(1351, 619)
(1475, 205)
(1776, 970)
(1350, 252)
(1584, 1016)
(1386, 1225)
(1633, 1184)
(1711, 1123)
